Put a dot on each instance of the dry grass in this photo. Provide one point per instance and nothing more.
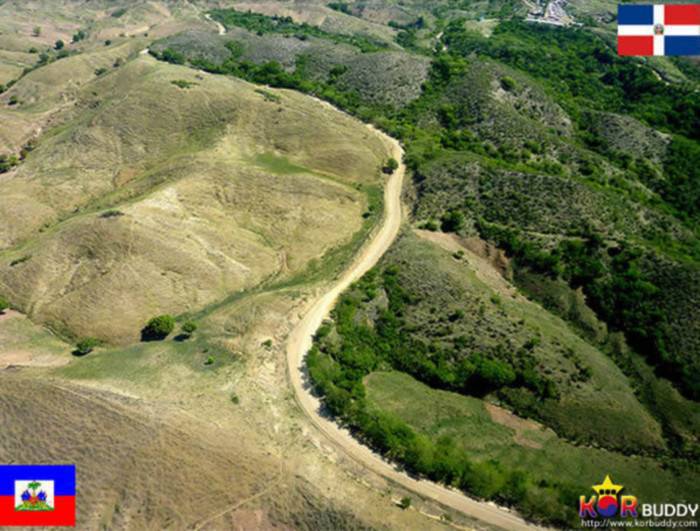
(200, 218)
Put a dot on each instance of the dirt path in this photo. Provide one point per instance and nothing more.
(219, 25)
(300, 340)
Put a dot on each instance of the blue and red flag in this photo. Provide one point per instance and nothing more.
(37, 495)
(670, 29)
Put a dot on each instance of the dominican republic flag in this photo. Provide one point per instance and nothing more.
(37, 495)
(671, 29)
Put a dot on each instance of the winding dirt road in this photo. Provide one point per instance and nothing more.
(300, 341)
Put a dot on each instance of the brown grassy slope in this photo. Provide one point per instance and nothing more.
(140, 466)
(200, 217)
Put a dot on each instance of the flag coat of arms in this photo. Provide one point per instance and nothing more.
(37, 495)
(670, 29)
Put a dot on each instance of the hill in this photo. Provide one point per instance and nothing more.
(123, 206)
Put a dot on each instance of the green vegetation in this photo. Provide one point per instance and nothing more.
(391, 166)
(79, 36)
(579, 72)
(183, 83)
(86, 345)
(551, 472)
(269, 96)
(8, 162)
(4, 305)
(582, 69)
(262, 24)
(189, 328)
(158, 328)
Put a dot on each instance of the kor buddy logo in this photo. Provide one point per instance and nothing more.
(607, 502)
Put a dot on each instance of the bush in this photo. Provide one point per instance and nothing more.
(158, 328)
(86, 345)
(391, 166)
(79, 36)
(452, 221)
(174, 57)
(4, 305)
(405, 502)
(59, 45)
(508, 84)
(189, 328)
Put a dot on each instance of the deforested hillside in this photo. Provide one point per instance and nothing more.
(169, 190)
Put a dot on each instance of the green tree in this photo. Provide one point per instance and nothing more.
(158, 328)
(452, 221)
(79, 36)
(189, 328)
(86, 345)
(391, 166)
(508, 84)
(59, 45)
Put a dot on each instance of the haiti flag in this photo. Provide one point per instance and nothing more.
(37, 495)
(671, 29)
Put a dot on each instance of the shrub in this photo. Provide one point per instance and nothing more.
(209, 360)
(59, 45)
(430, 225)
(174, 57)
(391, 166)
(508, 84)
(86, 345)
(189, 328)
(452, 221)
(100, 71)
(158, 328)
(183, 83)
(79, 36)
(4, 305)
(405, 502)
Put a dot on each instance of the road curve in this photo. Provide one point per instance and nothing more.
(300, 341)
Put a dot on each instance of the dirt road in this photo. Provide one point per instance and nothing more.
(300, 341)
(219, 25)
